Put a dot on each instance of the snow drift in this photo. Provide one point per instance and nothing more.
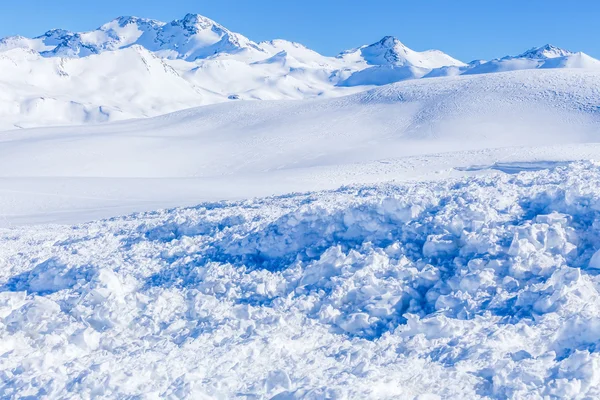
(484, 287)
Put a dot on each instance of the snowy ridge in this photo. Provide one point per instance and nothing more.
(215, 65)
(130, 83)
(483, 287)
(192, 37)
(544, 57)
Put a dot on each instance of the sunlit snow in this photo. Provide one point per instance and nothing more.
(187, 213)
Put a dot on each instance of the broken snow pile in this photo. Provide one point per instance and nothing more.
(481, 287)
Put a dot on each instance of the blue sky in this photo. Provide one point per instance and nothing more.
(466, 29)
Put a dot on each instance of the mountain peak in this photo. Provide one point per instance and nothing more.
(544, 52)
(197, 22)
(388, 42)
(389, 50)
(125, 20)
(56, 31)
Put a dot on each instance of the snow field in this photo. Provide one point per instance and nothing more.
(479, 287)
(244, 149)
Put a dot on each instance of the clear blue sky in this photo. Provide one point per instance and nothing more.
(466, 29)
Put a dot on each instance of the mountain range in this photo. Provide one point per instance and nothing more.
(135, 67)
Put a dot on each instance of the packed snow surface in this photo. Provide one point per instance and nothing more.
(479, 287)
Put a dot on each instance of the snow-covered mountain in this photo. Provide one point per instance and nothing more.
(547, 56)
(390, 51)
(135, 67)
(190, 38)
(545, 52)
(389, 60)
(197, 37)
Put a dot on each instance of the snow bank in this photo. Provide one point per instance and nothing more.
(479, 287)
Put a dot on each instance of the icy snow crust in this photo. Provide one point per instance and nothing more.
(473, 288)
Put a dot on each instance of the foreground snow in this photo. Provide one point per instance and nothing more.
(475, 287)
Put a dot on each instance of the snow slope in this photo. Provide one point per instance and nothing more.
(402, 119)
(482, 287)
(242, 149)
(129, 83)
(136, 83)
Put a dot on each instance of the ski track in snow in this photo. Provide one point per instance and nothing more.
(477, 287)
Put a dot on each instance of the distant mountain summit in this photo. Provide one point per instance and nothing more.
(197, 37)
(189, 38)
(194, 37)
(390, 51)
(389, 60)
(544, 57)
(545, 52)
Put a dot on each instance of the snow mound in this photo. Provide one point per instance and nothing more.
(418, 117)
(477, 288)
